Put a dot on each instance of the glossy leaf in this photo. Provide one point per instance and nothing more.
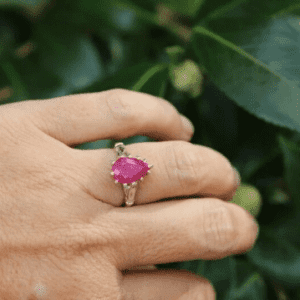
(22, 3)
(250, 284)
(219, 7)
(243, 71)
(68, 54)
(291, 157)
(16, 82)
(120, 15)
(257, 9)
(126, 78)
(276, 257)
(188, 8)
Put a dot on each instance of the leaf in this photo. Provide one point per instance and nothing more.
(276, 257)
(250, 284)
(189, 7)
(68, 54)
(222, 274)
(120, 15)
(237, 63)
(62, 63)
(22, 3)
(255, 10)
(151, 74)
(255, 153)
(7, 35)
(101, 144)
(20, 90)
(291, 158)
(216, 7)
(126, 78)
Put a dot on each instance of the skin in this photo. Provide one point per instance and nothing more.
(63, 232)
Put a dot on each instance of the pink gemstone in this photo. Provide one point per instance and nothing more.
(129, 170)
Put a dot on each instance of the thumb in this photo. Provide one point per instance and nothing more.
(166, 284)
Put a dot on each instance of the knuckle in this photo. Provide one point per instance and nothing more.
(220, 234)
(121, 108)
(183, 165)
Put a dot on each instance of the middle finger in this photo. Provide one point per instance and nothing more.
(181, 170)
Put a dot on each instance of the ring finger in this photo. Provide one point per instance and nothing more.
(181, 170)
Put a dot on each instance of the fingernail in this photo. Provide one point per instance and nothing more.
(188, 128)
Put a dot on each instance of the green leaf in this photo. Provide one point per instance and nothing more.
(37, 80)
(188, 7)
(237, 63)
(153, 81)
(17, 83)
(276, 257)
(120, 15)
(254, 10)
(101, 144)
(7, 37)
(255, 153)
(291, 158)
(216, 7)
(68, 54)
(148, 75)
(126, 78)
(22, 3)
(250, 284)
(222, 274)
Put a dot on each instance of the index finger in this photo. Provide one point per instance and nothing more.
(114, 114)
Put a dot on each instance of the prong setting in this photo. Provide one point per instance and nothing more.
(125, 185)
(129, 188)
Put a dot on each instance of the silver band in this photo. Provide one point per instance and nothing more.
(129, 189)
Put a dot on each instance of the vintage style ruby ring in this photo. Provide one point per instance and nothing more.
(129, 171)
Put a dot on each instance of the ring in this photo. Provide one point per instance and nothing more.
(129, 171)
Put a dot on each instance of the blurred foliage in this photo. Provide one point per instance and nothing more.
(231, 66)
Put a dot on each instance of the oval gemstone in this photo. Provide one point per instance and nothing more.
(128, 170)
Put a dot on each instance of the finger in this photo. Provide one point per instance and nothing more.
(180, 230)
(180, 169)
(166, 284)
(114, 114)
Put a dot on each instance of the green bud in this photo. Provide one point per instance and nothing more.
(248, 197)
(187, 77)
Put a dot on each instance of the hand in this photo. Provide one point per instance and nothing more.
(63, 234)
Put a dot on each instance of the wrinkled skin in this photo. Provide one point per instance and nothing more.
(64, 234)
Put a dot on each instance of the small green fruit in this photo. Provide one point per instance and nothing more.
(187, 77)
(248, 197)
